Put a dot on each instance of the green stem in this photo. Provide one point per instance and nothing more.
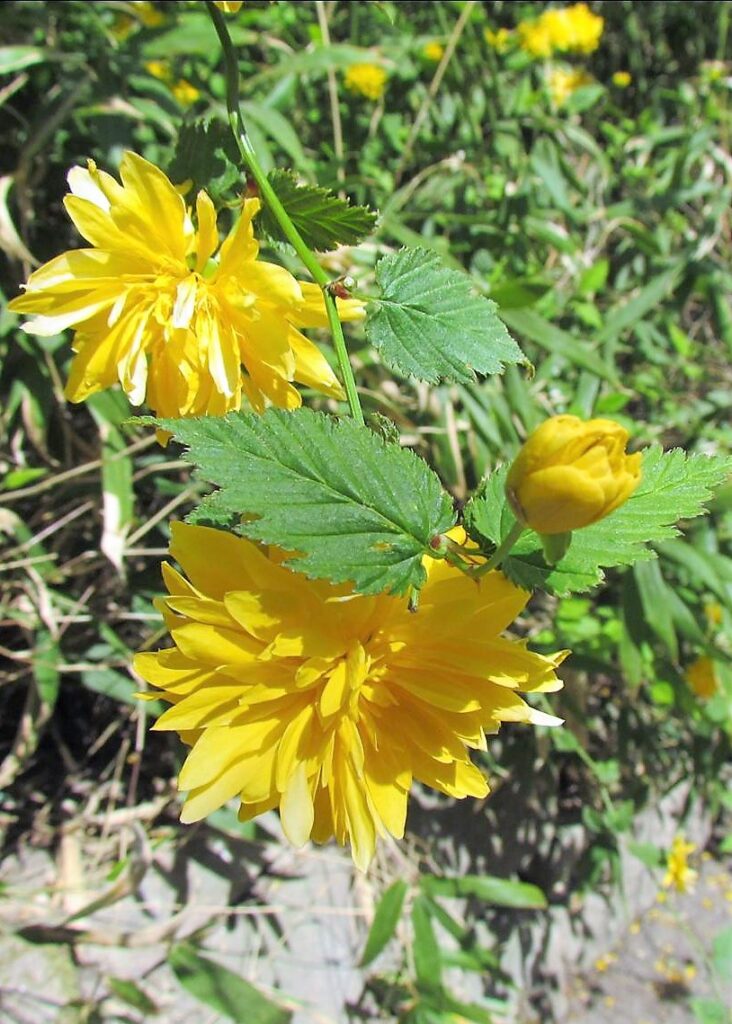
(268, 194)
(501, 551)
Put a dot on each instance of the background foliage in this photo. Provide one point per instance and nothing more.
(599, 227)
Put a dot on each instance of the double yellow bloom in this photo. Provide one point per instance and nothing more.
(302, 696)
(181, 319)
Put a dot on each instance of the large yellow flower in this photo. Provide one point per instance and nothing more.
(180, 319)
(300, 695)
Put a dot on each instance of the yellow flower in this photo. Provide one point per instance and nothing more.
(571, 473)
(679, 875)
(433, 51)
(500, 40)
(367, 79)
(159, 69)
(300, 695)
(185, 92)
(122, 26)
(176, 316)
(148, 14)
(562, 82)
(713, 613)
(228, 6)
(622, 79)
(702, 677)
(572, 29)
(534, 38)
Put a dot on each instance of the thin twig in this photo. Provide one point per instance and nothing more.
(434, 87)
(335, 110)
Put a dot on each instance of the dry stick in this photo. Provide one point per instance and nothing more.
(69, 474)
(335, 110)
(434, 87)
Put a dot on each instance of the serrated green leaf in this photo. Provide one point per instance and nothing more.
(674, 487)
(222, 990)
(385, 921)
(358, 509)
(323, 220)
(206, 155)
(429, 323)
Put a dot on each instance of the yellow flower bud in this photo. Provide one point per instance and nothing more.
(570, 473)
(702, 677)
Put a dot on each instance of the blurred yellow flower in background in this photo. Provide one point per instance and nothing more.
(622, 79)
(159, 69)
(534, 38)
(299, 695)
(368, 80)
(433, 51)
(563, 82)
(185, 92)
(179, 317)
(500, 39)
(228, 6)
(702, 678)
(570, 473)
(572, 29)
(679, 875)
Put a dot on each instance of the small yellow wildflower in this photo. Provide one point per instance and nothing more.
(606, 960)
(433, 51)
(701, 676)
(679, 875)
(571, 473)
(500, 39)
(535, 38)
(229, 6)
(159, 69)
(122, 26)
(572, 29)
(185, 92)
(300, 695)
(148, 14)
(181, 318)
(622, 79)
(713, 613)
(368, 80)
(563, 82)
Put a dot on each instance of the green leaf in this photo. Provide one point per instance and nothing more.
(323, 220)
(558, 342)
(46, 658)
(674, 486)
(222, 990)
(206, 155)
(132, 994)
(653, 592)
(709, 1011)
(385, 921)
(356, 508)
(722, 952)
(650, 855)
(427, 962)
(429, 323)
(15, 58)
(501, 892)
